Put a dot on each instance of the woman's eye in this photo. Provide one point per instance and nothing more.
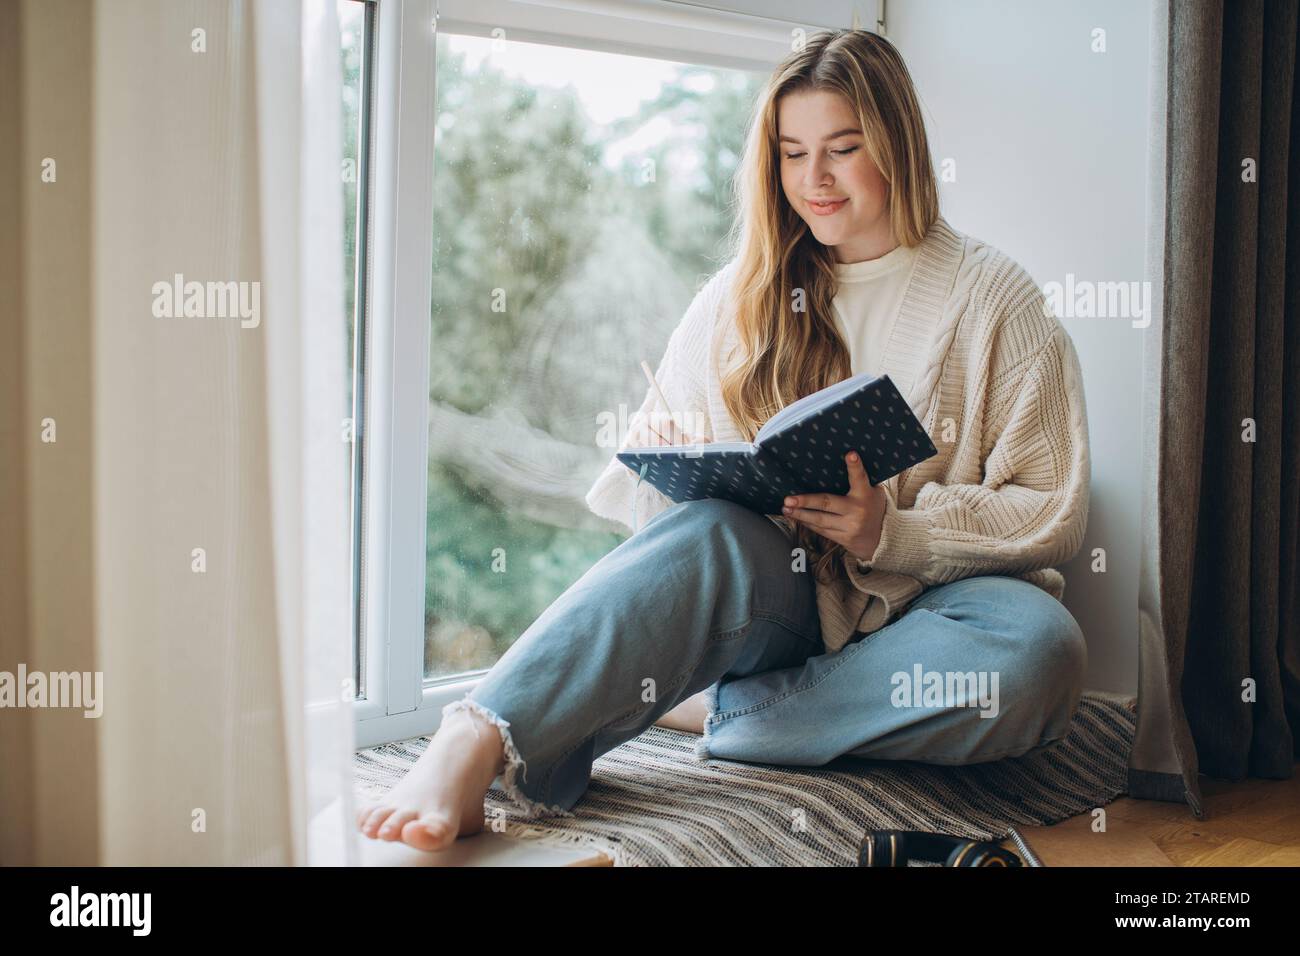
(837, 152)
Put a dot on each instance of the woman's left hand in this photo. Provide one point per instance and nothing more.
(853, 520)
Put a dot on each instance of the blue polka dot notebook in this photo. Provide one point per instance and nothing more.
(799, 450)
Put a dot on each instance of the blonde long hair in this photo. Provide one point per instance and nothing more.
(783, 354)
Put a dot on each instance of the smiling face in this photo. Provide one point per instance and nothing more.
(823, 156)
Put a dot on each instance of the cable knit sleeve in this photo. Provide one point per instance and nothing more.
(682, 374)
(1030, 509)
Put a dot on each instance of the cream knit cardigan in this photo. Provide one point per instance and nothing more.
(995, 380)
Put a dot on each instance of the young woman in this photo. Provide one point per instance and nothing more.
(919, 619)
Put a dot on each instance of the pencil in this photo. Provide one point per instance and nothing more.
(650, 377)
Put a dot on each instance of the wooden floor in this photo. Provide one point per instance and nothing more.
(1250, 823)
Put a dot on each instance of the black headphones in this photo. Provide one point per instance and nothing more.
(896, 847)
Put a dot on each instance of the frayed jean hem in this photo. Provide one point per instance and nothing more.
(702, 745)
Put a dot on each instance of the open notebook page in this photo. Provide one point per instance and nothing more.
(809, 404)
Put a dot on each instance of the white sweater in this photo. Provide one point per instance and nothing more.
(868, 297)
(994, 379)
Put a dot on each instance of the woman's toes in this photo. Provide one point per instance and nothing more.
(364, 814)
(377, 816)
(433, 831)
(392, 828)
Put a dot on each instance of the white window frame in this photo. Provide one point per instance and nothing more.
(398, 702)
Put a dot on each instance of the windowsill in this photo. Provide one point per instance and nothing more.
(325, 842)
(374, 727)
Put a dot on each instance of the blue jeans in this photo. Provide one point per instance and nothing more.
(704, 597)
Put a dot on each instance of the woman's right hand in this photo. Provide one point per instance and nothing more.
(658, 429)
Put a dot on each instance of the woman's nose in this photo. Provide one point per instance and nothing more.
(817, 173)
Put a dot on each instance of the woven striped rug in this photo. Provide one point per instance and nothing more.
(651, 802)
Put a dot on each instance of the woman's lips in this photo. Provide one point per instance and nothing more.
(827, 209)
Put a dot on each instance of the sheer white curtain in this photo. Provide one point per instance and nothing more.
(218, 157)
(218, 477)
(302, 219)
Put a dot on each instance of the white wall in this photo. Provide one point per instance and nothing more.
(1050, 143)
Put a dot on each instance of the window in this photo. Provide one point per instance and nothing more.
(540, 192)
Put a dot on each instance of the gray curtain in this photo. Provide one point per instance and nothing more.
(1219, 624)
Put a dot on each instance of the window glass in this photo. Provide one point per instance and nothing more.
(580, 200)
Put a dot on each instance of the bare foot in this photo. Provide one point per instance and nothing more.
(687, 716)
(441, 797)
